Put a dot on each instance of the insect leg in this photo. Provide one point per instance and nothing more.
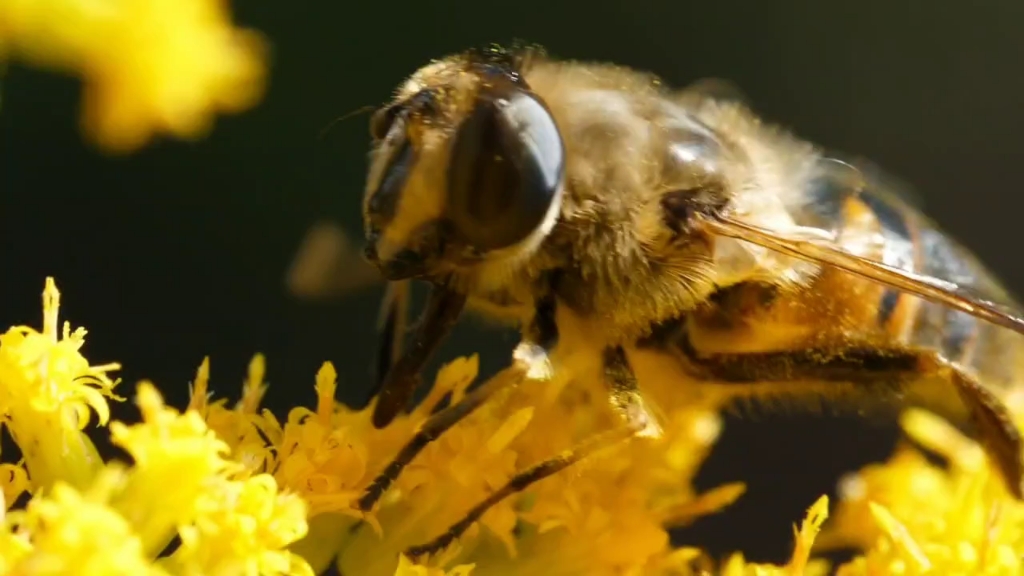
(996, 428)
(520, 482)
(530, 361)
(870, 371)
(444, 306)
(434, 426)
(625, 399)
(394, 310)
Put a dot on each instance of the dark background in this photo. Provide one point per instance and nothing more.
(180, 250)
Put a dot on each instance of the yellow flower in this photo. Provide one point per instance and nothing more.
(13, 482)
(914, 517)
(228, 524)
(127, 516)
(70, 532)
(167, 445)
(800, 563)
(407, 568)
(609, 514)
(119, 519)
(148, 66)
(48, 389)
(244, 527)
(242, 428)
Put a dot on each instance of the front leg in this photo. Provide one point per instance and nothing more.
(444, 305)
(531, 358)
(391, 329)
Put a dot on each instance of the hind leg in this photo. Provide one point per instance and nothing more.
(867, 370)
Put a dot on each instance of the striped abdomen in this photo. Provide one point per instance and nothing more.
(861, 215)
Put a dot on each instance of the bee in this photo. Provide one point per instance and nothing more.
(572, 198)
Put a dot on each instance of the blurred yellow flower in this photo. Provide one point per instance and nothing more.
(147, 66)
(407, 568)
(243, 527)
(912, 516)
(72, 532)
(800, 563)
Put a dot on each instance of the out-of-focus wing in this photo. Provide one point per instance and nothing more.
(328, 265)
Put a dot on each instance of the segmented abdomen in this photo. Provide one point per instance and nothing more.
(909, 240)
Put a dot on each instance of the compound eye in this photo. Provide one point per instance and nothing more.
(393, 159)
(506, 169)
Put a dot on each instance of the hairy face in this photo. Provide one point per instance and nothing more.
(467, 165)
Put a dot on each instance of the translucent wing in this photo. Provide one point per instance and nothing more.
(883, 183)
(812, 244)
(712, 88)
(328, 265)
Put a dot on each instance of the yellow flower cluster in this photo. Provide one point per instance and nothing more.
(88, 517)
(147, 66)
(605, 515)
(912, 516)
(221, 489)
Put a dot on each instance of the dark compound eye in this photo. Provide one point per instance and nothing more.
(507, 163)
(388, 176)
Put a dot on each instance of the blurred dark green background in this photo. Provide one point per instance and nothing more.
(180, 250)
